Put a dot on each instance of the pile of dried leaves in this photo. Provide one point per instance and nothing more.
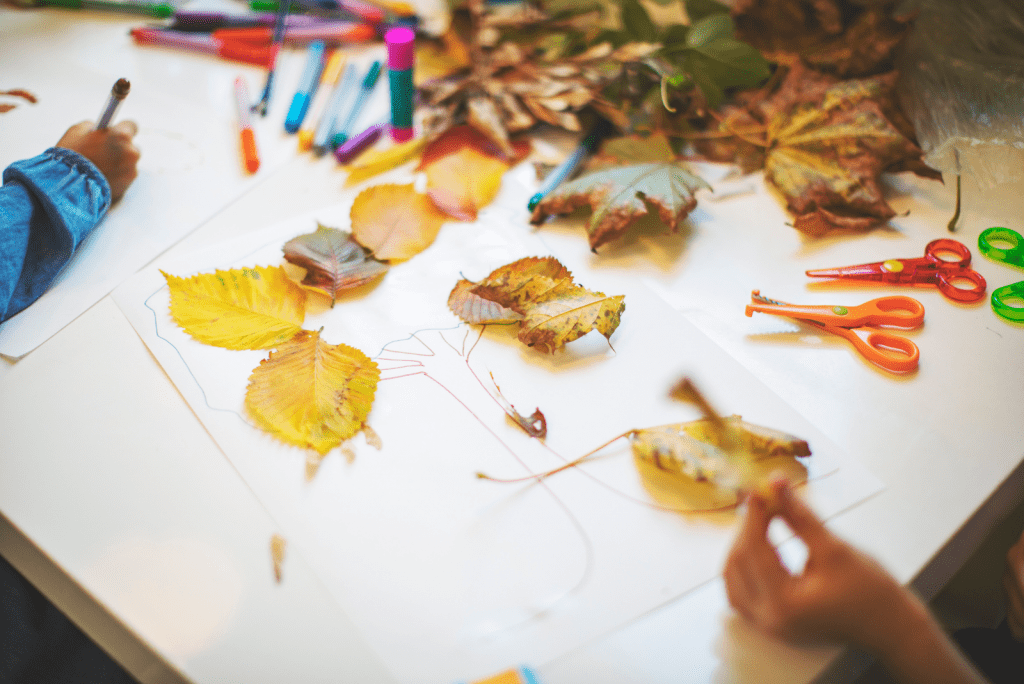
(802, 89)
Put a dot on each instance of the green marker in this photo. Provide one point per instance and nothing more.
(161, 10)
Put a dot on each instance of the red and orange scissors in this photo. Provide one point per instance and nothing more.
(885, 349)
(932, 269)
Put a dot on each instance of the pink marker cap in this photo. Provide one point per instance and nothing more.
(400, 42)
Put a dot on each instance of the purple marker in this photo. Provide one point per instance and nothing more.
(354, 146)
(399, 42)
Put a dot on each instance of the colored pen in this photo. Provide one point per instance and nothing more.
(194, 20)
(353, 147)
(210, 44)
(117, 95)
(327, 31)
(275, 49)
(360, 10)
(250, 154)
(560, 174)
(307, 87)
(329, 121)
(329, 78)
(369, 82)
(151, 9)
(399, 42)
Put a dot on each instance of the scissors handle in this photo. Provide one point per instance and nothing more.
(896, 310)
(946, 281)
(934, 250)
(884, 349)
(1012, 292)
(1014, 255)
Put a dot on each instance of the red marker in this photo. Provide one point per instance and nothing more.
(249, 152)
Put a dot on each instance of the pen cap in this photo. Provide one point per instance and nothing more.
(400, 42)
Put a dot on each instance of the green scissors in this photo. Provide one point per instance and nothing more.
(1013, 256)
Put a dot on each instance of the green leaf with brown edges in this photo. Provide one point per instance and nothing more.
(619, 196)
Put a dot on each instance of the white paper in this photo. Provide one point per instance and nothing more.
(447, 576)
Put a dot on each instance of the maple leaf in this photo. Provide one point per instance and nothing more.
(333, 261)
(460, 184)
(311, 394)
(619, 196)
(539, 293)
(394, 221)
(246, 308)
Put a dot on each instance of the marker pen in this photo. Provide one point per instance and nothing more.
(399, 42)
(329, 121)
(250, 154)
(335, 63)
(369, 82)
(307, 87)
(117, 95)
(209, 44)
(353, 147)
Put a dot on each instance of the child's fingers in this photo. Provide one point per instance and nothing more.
(797, 514)
(128, 127)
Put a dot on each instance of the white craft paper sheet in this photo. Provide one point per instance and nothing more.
(447, 576)
(190, 168)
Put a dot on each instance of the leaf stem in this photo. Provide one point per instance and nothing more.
(951, 226)
(571, 464)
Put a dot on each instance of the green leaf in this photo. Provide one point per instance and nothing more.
(710, 29)
(730, 63)
(637, 22)
(675, 35)
(698, 9)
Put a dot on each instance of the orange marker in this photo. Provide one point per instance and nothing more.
(249, 152)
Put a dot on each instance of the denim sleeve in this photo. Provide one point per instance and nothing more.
(48, 205)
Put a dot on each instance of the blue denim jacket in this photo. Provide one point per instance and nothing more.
(48, 205)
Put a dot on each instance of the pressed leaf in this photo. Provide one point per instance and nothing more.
(245, 308)
(462, 183)
(394, 221)
(520, 284)
(333, 261)
(573, 313)
(375, 161)
(474, 309)
(312, 394)
(618, 197)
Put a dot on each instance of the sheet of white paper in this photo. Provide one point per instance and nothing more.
(190, 168)
(450, 577)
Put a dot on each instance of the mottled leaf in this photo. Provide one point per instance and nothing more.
(472, 308)
(394, 221)
(618, 197)
(333, 261)
(245, 308)
(312, 394)
(570, 314)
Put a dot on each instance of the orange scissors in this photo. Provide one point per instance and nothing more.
(932, 269)
(889, 351)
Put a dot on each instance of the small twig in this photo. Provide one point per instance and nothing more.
(956, 214)
(571, 464)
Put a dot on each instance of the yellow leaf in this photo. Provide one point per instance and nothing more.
(373, 162)
(573, 313)
(440, 58)
(312, 394)
(244, 308)
(463, 182)
(394, 221)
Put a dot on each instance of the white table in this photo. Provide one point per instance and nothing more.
(118, 504)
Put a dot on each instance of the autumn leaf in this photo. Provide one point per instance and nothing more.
(374, 162)
(633, 149)
(535, 425)
(333, 261)
(278, 545)
(458, 138)
(312, 394)
(460, 184)
(441, 57)
(247, 308)
(394, 221)
(539, 293)
(570, 314)
(619, 196)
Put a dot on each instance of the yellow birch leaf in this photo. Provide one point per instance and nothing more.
(244, 308)
(394, 221)
(573, 313)
(372, 162)
(463, 182)
(312, 394)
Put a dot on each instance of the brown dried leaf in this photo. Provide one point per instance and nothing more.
(333, 261)
(536, 425)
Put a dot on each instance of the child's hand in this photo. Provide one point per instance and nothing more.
(110, 149)
(842, 595)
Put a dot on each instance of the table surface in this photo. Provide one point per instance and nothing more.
(116, 501)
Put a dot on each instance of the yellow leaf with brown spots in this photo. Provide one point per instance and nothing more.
(312, 394)
(243, 308)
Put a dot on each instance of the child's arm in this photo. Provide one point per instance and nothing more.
(841, 595)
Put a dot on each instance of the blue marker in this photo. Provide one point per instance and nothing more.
(307, 87)
(556, 177)
(329, 122)
(369, 82)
